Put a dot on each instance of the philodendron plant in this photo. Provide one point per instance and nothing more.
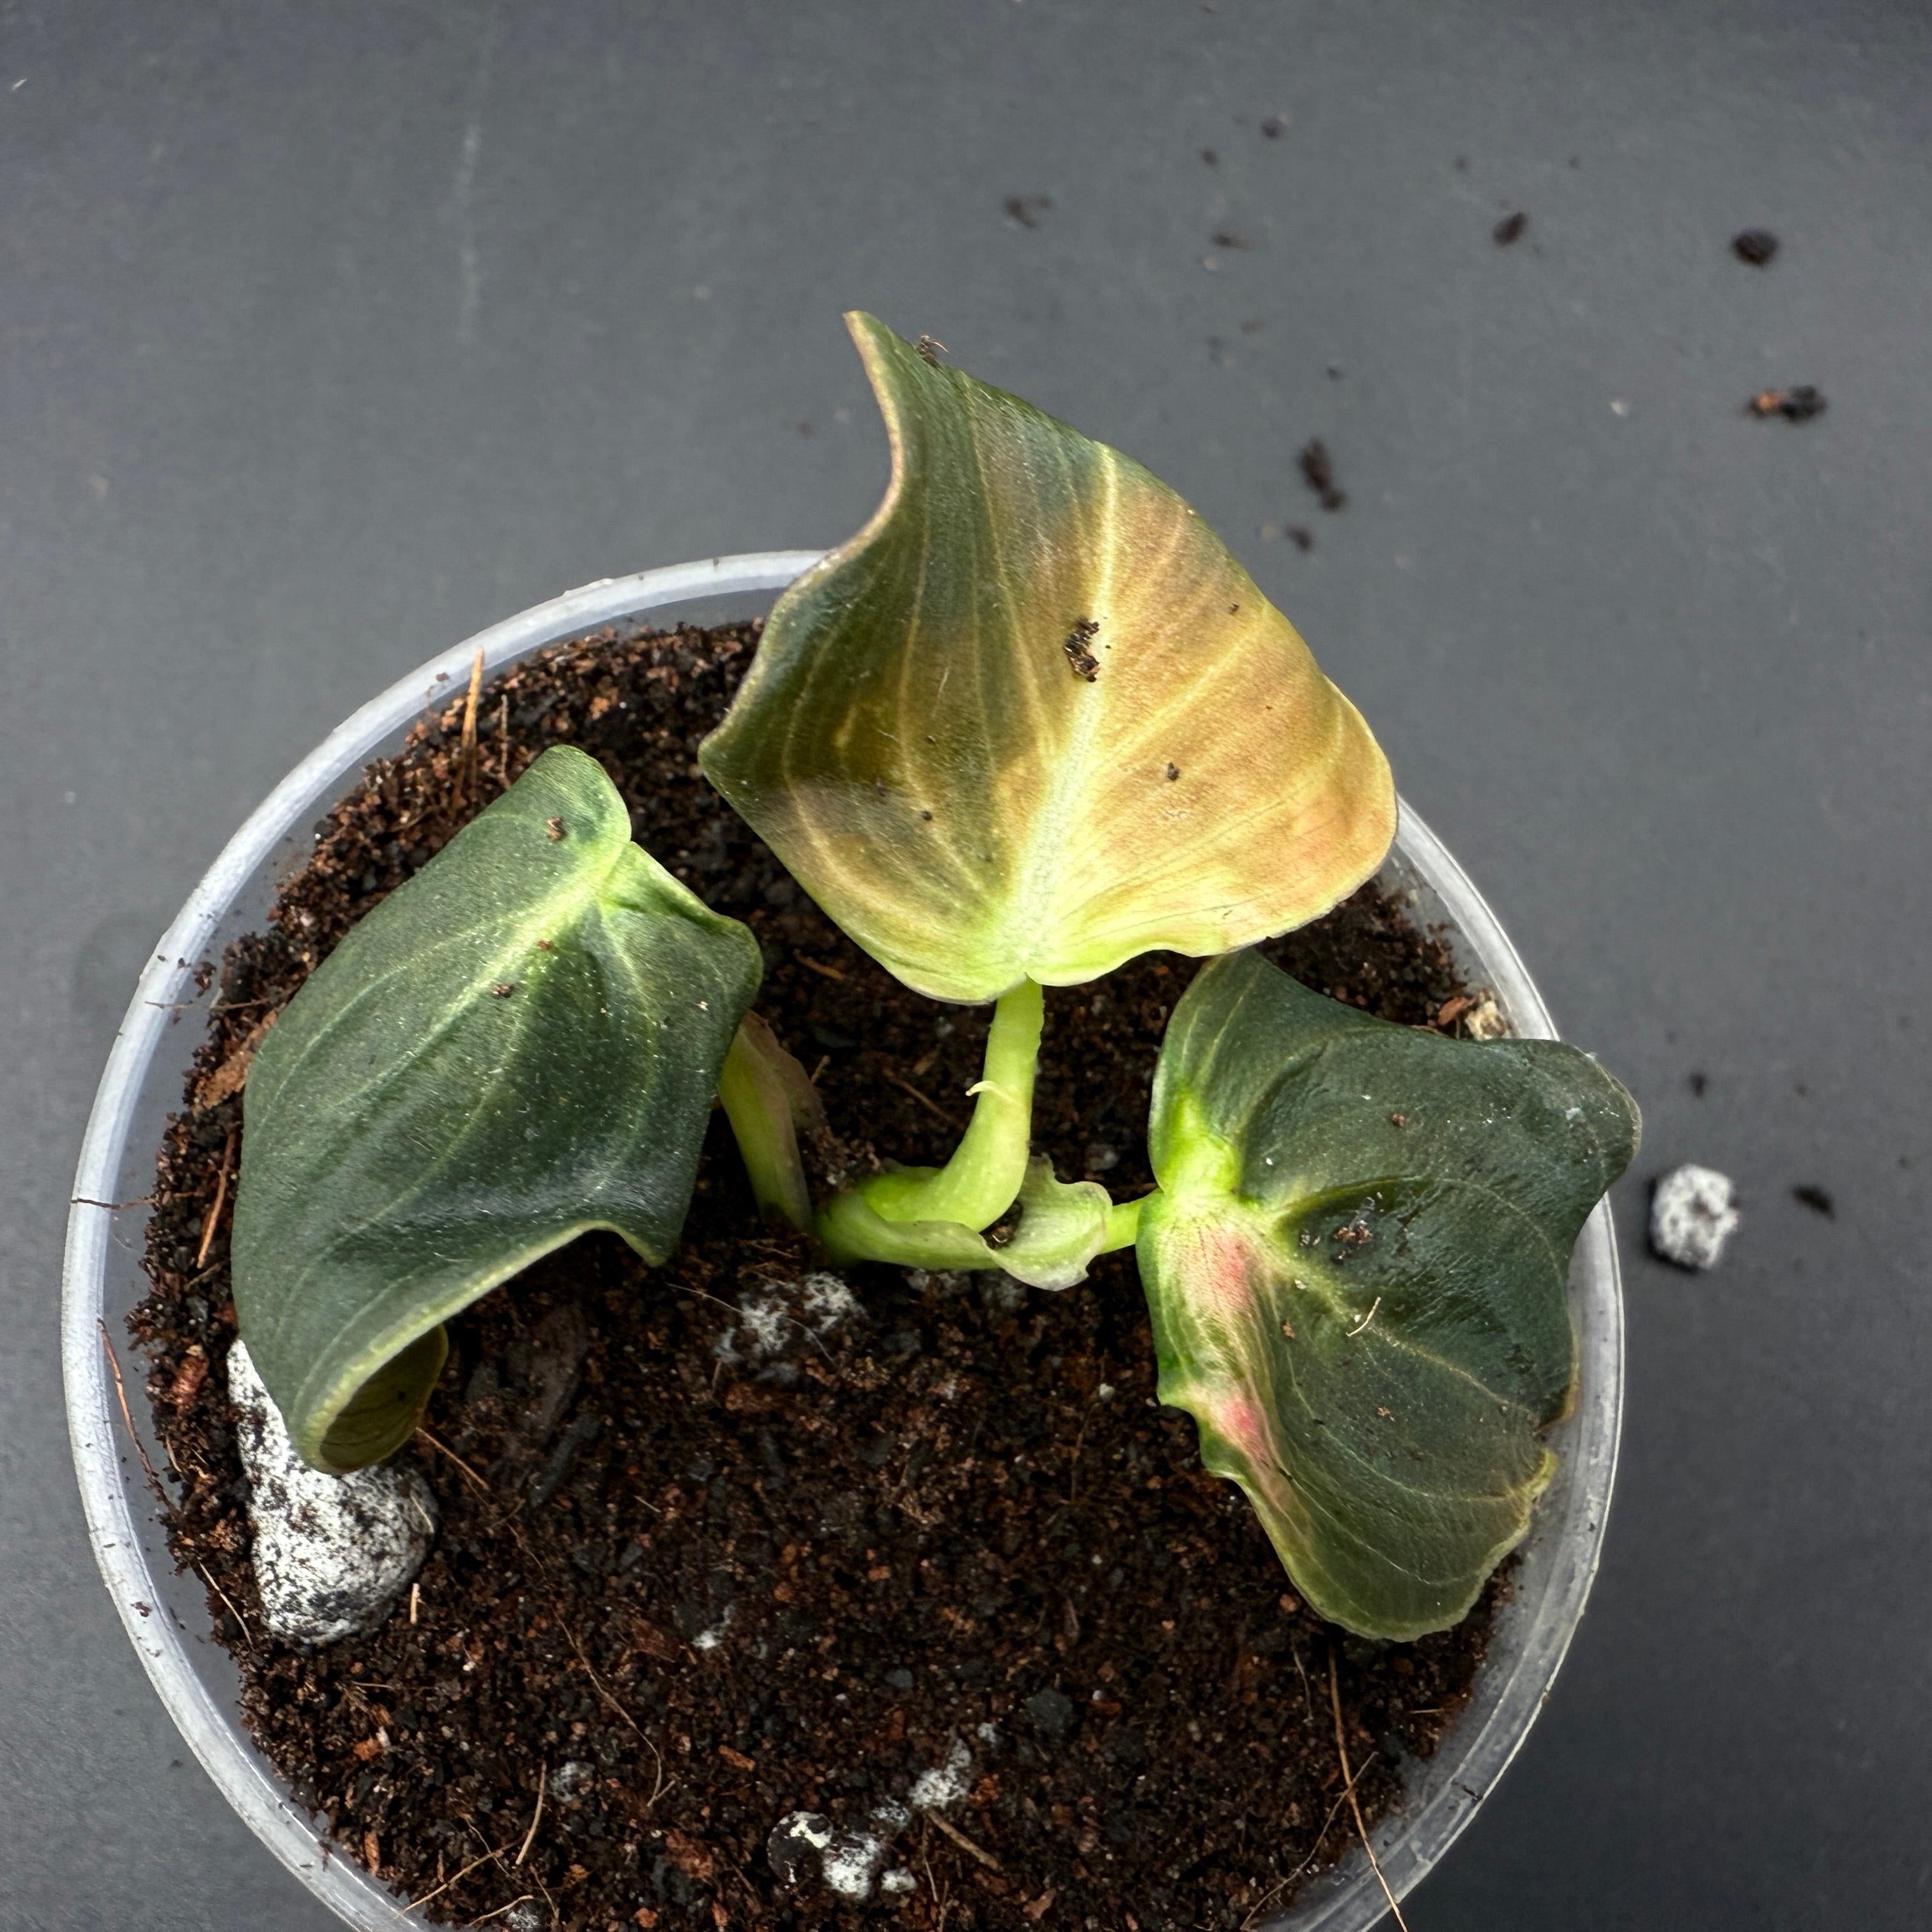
(1032, 721)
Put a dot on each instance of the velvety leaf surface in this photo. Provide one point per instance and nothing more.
(1033, 719)
(1356, 1268)
(520, 1044)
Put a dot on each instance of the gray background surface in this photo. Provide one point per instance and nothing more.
(329, 333)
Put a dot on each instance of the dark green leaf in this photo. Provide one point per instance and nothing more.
(521, 1044)
(1357, 1268)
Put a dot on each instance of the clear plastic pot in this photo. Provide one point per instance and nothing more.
(165, 1614)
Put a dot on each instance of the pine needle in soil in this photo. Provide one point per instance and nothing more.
(1355, 1803)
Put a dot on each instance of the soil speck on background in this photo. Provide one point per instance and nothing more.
(1318, 472)
(912, 1579)
(1509, 231)
(1798, 405)
(1756, 246)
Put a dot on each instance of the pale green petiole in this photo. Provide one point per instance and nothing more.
(930, 1217)
(1123, 1224)
(767, 1098)
(1062, 1225)
(982, 1179)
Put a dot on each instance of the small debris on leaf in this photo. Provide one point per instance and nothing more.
(1509, 231)
(1797, 405)
(1173, 772)
(1084, 663)
(1317, 470)
(554, 829)
(503, 989)
(930, 350)
(1818, 1199)
(1694, 1213)
(1756, 246)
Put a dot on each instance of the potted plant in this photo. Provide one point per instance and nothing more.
(1354, 1254)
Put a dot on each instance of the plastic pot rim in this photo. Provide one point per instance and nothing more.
(1534, 1624)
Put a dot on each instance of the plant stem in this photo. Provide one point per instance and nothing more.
(982, 1179)
(766, 1097)
(1123, 1224)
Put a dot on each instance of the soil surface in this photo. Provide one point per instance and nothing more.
(718, 1548)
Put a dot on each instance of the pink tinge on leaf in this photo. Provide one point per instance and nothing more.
(1238, 1420)
(1224, 1278)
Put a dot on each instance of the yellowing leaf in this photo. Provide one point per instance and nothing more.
(1033, 719)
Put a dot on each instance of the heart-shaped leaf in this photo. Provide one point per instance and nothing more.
(1357, 1266)
(1033, 719)
(520, 1044)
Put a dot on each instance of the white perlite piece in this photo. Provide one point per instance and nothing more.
(772, 1320)
(935, 1790)
(1694, 1212)
(332, 1553)
(828, 1302)
(709, 1639)
(849, 1860)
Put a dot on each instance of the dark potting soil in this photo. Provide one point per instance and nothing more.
(706, 1562)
